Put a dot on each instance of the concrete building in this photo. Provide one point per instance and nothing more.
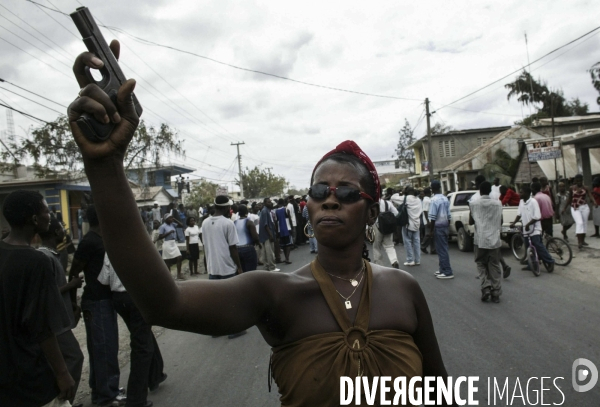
(447, 148)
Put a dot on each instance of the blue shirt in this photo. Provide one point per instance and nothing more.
(439, 211)
(164, 228)
(265, 220)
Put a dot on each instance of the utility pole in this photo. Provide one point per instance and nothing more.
(429, 141)
(239, 157)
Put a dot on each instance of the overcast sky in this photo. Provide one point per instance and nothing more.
(437, 49)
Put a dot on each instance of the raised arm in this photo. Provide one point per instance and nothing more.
(207, 307)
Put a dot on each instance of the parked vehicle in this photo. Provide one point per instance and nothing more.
(459, 225)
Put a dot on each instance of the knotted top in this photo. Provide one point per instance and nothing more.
(308, 371)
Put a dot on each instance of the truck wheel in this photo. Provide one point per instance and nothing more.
(465, 242)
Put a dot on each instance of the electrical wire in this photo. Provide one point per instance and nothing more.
(518, 70)
(33, 56)
(24, 114)
(33, 45)
(31, 100)
(39, 32)
(152, 43)
(33, 93)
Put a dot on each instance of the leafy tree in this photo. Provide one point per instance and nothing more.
(441, 128)
(54, 150)
(529, 91)
(595, 74)
(260, 183)
(202, 194)
(406, 138)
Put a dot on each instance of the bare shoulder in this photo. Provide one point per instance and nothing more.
(394, 279)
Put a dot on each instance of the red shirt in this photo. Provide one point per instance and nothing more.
(511, 198)
(596, 195)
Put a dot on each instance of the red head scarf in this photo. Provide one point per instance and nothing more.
(350, 147)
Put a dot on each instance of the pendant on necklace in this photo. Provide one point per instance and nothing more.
(348, 304)
(353, 282)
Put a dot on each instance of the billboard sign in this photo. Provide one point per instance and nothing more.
(543, 150)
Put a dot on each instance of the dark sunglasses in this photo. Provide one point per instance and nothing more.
(345, 194)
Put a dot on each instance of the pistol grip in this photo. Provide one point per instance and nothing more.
(94, 130)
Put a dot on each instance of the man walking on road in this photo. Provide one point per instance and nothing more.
(486, 215)
(439, 222)
(410, 232)
(145, 359)
(266, 235)
(220, 244)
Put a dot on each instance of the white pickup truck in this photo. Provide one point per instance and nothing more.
(459, 225)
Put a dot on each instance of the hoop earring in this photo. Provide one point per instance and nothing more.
(370, 233)
(306, 231)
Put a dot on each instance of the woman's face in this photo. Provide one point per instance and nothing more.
(579, 181)
(337, 224)
(192, 222)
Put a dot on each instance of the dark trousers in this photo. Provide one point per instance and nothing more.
(146, 361)
(547, 226)
(73, 356)
(248, 258)
(427, 241)
(441, 243)
(103, 346)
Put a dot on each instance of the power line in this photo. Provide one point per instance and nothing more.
(518, 70)
(477, 111)
(24, 114)
(38, 31)
(31, 100)
(33, 93)
(152, 43)
(33, 56)
(33, 45)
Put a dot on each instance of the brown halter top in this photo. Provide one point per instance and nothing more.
(308, 371)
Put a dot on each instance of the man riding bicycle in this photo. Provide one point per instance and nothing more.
(529, 213)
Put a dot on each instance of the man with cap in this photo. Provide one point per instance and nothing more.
(439, 222)
(220, 240)
(170, 251)
(156, 213)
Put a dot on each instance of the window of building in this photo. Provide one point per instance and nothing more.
(481, 141)
(446, 148)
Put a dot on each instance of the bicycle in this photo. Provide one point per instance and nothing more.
(558, 248)
(530, 253)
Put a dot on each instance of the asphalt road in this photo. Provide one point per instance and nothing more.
(542, 325)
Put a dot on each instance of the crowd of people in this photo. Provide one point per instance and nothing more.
(340, 315)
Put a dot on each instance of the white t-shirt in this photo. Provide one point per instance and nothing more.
(290, 209)
(426, 205)
(218, 233)
(530, 210)
(193, 233)
(254, 218)
(495, 194)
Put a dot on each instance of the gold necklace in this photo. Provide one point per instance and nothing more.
(351, 280)
(347, 303)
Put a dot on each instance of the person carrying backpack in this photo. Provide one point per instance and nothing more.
(384, 232)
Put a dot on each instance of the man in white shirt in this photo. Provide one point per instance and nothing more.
(145, 358)
(495, 194)
(220, 240)
(220, 244)
(425, 240)
(530, 215)
(411, 232)
(292, 219)
(384, 241)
